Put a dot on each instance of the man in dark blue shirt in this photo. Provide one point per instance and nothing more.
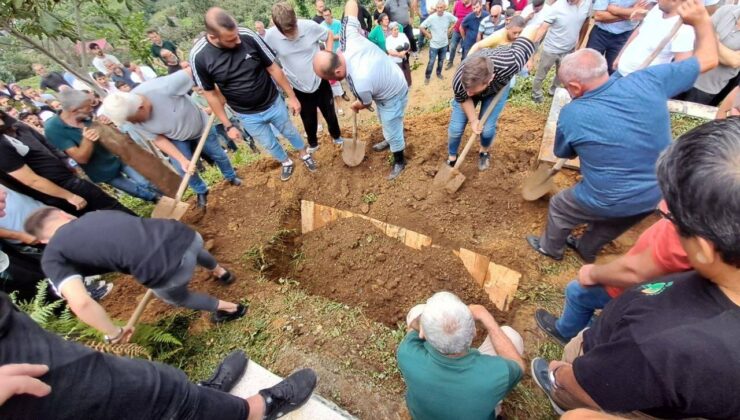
(617, 126)
(470, 25)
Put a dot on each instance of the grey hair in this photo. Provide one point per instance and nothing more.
(447, 323)
(72, 99)
(394, 25)
(582, 66)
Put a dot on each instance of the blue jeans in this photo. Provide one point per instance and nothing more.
(580, 304)
(262, 126)
(134, 184)
(459, 120)
(456, 39)
(390, 114)
(213, 149)
(435, 54)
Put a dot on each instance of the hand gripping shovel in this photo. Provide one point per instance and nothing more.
(450, 178)
(173, 208)
(540, 182)
(353, 152)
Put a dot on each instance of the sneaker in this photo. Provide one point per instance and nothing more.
(223, 316)
(534, 242)
(451, 163)
(312, 149)
(426, 80)
(546, 321)
(202, 200)
(379, 147)
(484, 161)
(288, 395)
(537, 99)
(396, 171)
(572, 243)
(235, 182)
(226, 278)
(310, 163)
(339, 141)
(448, 66)
(440, 77)
(541, 375)
(99, 292)
(228, 372)
(93, 281)
(286, 172)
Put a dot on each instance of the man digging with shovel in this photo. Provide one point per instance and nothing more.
(161, 254)
(162, 111)
(373, 76)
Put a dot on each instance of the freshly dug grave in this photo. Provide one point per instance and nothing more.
(353, 262)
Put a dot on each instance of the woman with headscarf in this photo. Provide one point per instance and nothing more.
(397, 45)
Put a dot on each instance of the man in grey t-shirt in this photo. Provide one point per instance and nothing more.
(295, 42)
(562, 24)
(162, 112)
(437, 27)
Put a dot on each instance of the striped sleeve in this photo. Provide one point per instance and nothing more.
(200, 72)
(457, 87)
(267, 55)
(523, 49)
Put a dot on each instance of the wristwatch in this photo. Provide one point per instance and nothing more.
(109, 340)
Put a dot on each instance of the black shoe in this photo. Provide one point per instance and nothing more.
(440, 77)
(202, 200)
(286, 172)
(537, 99)
(236, 182)
(227, 277)
(223, 316)
(396, 171)
(379, 147)
(546, 321)
(484, 161)
(232, 146)
(572, 243)
(310, 163)
(99, 291)
(345, 97)
(448, 66)
(534, 242)
(451, 163)
(289, 395)
(228, 373)
(541, 375)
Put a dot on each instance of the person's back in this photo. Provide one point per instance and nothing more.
(618, 131)
(675, 341)
(106, 241)
(440, 387)
(565, 19)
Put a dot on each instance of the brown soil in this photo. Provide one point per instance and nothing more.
(351, 261)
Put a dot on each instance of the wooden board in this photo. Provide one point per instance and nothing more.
(562, 98)
(498, 281)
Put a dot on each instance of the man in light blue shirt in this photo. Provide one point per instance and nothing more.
(613, 26)
(437, 27)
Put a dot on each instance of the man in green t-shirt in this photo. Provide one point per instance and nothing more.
(445, 377)
(158, 45)
(69, 131)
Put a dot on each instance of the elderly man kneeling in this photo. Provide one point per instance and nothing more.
(445, 377)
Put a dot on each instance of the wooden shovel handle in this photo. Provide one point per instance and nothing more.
(473, 137)
(140, 309)
(354, 126)
(194, 159)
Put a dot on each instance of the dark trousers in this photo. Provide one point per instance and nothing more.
(697, 96)
(566, 212)
(408, 30)
(96, 198)
(435, 54)
(608, 44)
(324, 100)
(23, 274)
(406, 69)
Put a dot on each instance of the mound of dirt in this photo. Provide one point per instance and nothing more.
(353, 262)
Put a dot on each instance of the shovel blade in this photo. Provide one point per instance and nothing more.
(539, 183)
(169, 208)
(448, 178)
(353, 152)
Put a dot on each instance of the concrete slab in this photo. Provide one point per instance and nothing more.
(257, 377)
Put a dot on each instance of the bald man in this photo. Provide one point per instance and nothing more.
(235, 66)
(372, 76)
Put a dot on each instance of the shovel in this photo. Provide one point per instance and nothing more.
(450, 178)
(540, 182)
(173, 208)
(353, 152)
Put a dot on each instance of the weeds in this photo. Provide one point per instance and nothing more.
(543, 295)
(369, 198)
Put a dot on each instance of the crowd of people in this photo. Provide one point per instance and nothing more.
(665, 343)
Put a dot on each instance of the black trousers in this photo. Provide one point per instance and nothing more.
(23, 274)
(408, 30)
(608, 44)
(324, 100)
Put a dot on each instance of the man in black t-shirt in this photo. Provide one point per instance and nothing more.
(320, 6)
(161, 254)
(669, 349)
(33, 167)
(235, 66)
(76, 382)
(49, 79)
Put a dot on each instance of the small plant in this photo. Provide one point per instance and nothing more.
(370, 198)
(256, 258)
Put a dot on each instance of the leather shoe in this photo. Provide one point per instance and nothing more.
(534, 242)
(572, 243)
(228, 373)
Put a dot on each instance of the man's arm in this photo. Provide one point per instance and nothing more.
(682, 56)
(81, 154)
(351, 9)
(604, 16)
(624, 272)
(424, 32)
(217, 103)
(695, 14)
(279, 77)
(728, 57)
(330, 41)
(622, 13)
(31, 179)
(731, 102)
(89, 311)
(568, 387)
(501, 342)
(14, 235)
(541, 32)
(165, 145)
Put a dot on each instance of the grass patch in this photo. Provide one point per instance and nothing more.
(680, 124)
(542, 295)
(369, 198)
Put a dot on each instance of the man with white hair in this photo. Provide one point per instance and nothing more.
(164, 114)
(445, 377)
(617, 126)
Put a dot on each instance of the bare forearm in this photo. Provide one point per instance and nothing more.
(728, 57)
(279, 77)
(503, 345)
(351, 8)
(705, 46)
(11, 235)
(606, 17)
(330, 42)
(92, 314)
(617, 12)
(165, 145)
(213, 98)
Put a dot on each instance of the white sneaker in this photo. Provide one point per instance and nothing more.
(340, 112)
(311, 150)
(339, 141)
(320, 128)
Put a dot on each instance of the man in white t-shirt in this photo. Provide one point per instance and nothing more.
(657, 24)
(372, 76)
(100, 58)
(534, 13)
